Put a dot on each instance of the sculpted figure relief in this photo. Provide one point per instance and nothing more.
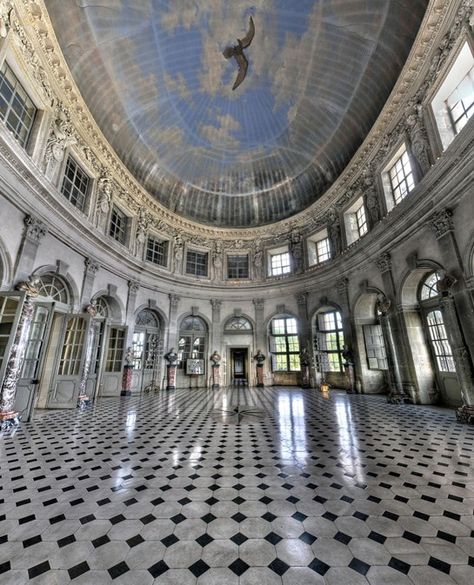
(419, 141)
(6, 7)
(61, 136)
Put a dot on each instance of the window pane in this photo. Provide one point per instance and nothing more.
(16, 108)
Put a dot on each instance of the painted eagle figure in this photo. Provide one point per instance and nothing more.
(237, 52)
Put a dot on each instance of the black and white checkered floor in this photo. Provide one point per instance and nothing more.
(158, 489)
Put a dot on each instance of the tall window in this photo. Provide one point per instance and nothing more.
(75, 185)
(16, 108)
(453, 103)
(329, 341)
(118, 225)
(192, 340)
(460, 102)
(284, 344)
(401, 177)
(319, 248)
(280, 263)
(196, 263)
(355, 221)
(361, 220)
(440, 346)
(157, 251)
(238, 266)
(115, 350)
(71, 355)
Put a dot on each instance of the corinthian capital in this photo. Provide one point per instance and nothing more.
(35, 229)
(442, 223)
(384, 262)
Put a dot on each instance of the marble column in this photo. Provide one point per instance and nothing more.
(91, 336)
(395, 381)
(342, 287)
(8, 416)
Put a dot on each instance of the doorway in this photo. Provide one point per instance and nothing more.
(238, 364)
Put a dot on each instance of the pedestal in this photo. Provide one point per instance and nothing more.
(216, 377)
(171, 377)
(350, 378)
(127, 380)
(259, 369)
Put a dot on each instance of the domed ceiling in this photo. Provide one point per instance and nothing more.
(159, 81)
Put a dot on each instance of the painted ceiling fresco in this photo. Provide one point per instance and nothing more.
(155, 77)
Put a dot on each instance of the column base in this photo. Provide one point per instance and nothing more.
(215, 387)
(170, 387)
(83, 401)
(126, 393)
(465, 414)
(9, 420)
(260, 385)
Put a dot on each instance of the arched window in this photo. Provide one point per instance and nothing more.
(237, 325)
(52, 287)
(192, 340)
(102, 308)
(439, 343)
(284, 344)
(329, 340)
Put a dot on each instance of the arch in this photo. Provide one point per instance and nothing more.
(116, 309)
(161, 315)
(468, 258)
(410, 282)
(326, 305)
(67, 279)
(235, 324)
(269, 319)
(5, 267)
(184, 316)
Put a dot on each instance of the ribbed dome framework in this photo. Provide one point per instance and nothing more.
(155, 79)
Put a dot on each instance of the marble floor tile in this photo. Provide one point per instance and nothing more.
(153, 490)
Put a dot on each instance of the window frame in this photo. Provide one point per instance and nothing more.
(315, 255)
(246, 272)
(355, 228)
(86, 194)
(165, 253)
(457, 66)
(204, 254)
(285, 267)
(115, 230)
(24, 142)
(292, 365)
(339, 338)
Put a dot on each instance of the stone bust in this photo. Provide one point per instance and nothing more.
(259, 358)
(215, 359)
(171, 357)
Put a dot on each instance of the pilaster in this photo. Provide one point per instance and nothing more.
(34, 232)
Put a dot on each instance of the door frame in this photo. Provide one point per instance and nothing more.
(248, 371)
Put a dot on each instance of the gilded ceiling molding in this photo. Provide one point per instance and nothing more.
(443, 22)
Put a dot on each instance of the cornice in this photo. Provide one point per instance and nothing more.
(32, 21)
